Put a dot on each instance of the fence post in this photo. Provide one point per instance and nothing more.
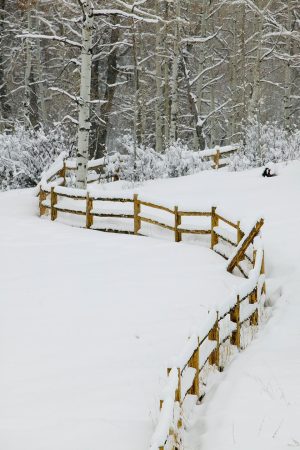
(178, 390)
(178, 235)
(178, 397)
(216, 158)
(194, 362)
(214, 335)
(62, 173)
(262, 272)
(42, 197)
(214, 223)
(235, 317)
(53, 204)
(89, 207)
(137, 210)
(252, 301)
(239, 232)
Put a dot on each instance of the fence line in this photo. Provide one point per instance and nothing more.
(219, 158)
(203, 349)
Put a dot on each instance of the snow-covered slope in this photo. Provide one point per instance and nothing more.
(90, 321)
(88, 324)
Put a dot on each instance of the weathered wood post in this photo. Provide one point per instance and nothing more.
(89, 207)
(178, 390)
(178, 397)
(240, 234)
(214, 335)
(214, 223)
(42, 198)
(262, 272)
(62, 173)
(194, 362)
(216, 159)
(235, 317)
(178, 235)
(137, 211)
(53, 204)
(252, 301)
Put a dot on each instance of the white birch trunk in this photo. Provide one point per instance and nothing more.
(85, 96)
(256, 87)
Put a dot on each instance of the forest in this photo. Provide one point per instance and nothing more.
(146, 77)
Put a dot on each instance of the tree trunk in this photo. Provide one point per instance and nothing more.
(5, 109)
(256, 87)
(287, 72)
(198, 122)
(159, 94)
(110, 89)
(28, 74)
(174, 82)
(85, 95)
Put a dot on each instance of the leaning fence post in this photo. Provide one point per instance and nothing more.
(42, 198)
(137, 210)
(89, 207)
(235, 317)
(53, 204)
(214, 335)
(214, 223)
(177, 224)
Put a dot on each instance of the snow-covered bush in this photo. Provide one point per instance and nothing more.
(180, 161)
(25, 154)
(140, 165)
(146, 164)
(265, 143)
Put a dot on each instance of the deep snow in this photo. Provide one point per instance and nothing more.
(89, 322)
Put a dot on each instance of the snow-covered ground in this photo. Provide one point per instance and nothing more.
(89, 322)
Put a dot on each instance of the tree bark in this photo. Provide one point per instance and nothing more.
(5, 109)
(174, 82)
(159, 93)
(85, 96)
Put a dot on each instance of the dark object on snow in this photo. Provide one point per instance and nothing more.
(267, 173)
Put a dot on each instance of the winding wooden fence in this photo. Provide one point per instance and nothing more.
(204, 347)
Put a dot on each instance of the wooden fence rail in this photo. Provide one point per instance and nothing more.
(204, 347)
(219, 158)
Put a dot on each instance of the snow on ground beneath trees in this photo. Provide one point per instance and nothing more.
(90, 321)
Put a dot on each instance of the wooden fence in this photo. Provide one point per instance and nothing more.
(220, 327)
(96, 168)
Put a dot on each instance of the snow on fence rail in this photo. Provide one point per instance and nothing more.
(96, 168)
(203, 348)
